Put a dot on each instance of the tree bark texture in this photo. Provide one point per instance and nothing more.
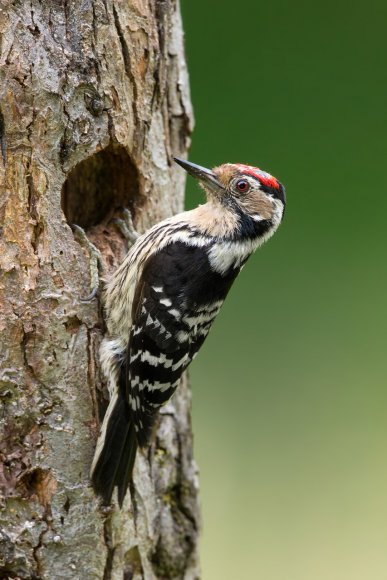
(94, 101)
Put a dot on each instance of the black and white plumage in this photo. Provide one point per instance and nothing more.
(162, 300)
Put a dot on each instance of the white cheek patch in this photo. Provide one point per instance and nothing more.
(257, 218)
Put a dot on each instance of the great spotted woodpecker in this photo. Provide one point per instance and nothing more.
(161, 302)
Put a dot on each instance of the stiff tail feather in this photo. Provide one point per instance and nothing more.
(115, 452)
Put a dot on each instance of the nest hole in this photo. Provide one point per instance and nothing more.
(100, 185)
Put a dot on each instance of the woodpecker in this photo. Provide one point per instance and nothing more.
(162, 300)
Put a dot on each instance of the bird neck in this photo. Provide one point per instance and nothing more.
(214, 219)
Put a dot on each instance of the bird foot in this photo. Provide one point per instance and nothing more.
(95, 261)
(126, 227)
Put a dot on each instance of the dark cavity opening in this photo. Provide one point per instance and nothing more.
(100, 185)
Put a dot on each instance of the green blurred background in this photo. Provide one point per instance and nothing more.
(290, 397)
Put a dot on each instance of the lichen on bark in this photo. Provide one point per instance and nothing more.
(94, 101)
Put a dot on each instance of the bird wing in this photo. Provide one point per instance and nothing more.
(175, 303)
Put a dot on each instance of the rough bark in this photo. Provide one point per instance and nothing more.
(93, 103)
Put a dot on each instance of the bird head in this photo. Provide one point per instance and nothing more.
(245, 189)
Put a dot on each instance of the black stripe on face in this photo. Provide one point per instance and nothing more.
(251, 229)
(248, 228)
(276, 192)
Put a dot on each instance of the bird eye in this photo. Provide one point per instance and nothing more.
(242, 185)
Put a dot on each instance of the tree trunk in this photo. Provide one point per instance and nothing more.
(94, 101)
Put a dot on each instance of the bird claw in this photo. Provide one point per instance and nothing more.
(126, 227)
(91, 296)
(95, 262)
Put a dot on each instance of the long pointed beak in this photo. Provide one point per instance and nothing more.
(203, 174)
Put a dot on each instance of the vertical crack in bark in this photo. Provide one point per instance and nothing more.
(161, 14)
(3, 138)
(66, 12)
(36, 556)
(127, 63)
(25, 338)
(91, 374)
(124, 46)
(67, 143)
(37, 228)
(107, 573)
(133, 498)
(47, 519)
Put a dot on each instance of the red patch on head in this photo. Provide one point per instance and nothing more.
(263, 177)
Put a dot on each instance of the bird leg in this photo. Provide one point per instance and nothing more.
(126, 227)
(95, 261)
